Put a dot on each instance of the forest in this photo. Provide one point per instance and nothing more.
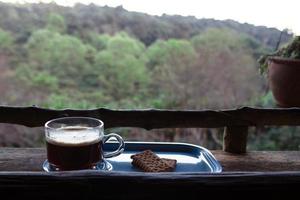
(88, 56)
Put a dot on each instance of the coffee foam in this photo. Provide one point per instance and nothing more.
(74, 136)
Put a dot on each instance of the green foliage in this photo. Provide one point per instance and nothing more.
(56, 23)
(79, 58)
(219, 39)
(6, 41)
(121, 68)
(228, 67)
(63, 101)
(82, 19)
(172, 63)
(165, 52)
(34, 78)
(267, 100)
(274, 138)
(98, 41)
(290, 50)
(62, 56)
(45, 79)
(121, 44)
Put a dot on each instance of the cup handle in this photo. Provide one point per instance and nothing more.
(120, 148)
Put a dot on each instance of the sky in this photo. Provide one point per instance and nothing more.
(270, 13)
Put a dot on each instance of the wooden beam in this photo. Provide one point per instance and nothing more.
(273, 174)
(101, 185)
(235, 139)
(152, 119)
(31, 159)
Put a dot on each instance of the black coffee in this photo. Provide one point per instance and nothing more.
(74, 148)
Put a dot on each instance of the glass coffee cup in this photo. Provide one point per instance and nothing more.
(76, 143)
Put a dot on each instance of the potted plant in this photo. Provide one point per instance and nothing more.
(283, 71)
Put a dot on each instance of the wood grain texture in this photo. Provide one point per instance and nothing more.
(87, 185)
(31, 159)
(151, 118)
(272, 174)
(235, 139)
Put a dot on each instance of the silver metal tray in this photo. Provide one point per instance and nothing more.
(190, 158)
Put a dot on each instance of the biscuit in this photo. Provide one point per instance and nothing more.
(171, 162)
(150, 162)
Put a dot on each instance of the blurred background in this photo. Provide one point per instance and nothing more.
(129, 54)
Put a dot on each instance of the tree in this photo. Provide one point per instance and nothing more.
(98, 41)
(121, 68)
(172, 63)
(220, 39)
(63, 56)
(56, 23)
(230, 75)
(56, 64)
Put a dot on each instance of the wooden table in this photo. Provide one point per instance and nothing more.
(31, 159)
(272, 173)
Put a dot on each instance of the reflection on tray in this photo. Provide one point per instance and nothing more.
(190, 158)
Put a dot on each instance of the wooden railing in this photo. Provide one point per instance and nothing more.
(235, 121)
(273, 174)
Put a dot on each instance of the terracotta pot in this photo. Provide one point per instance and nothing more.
(284, 81)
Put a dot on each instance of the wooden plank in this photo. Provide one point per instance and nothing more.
(21, 177)
(151, 119)
(235, 139)
(31, 159)
(101, 185)
(263, 161)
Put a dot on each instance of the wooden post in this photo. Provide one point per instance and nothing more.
(235, 139)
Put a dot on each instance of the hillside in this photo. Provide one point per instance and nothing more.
(84, 57)
(80, 19)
